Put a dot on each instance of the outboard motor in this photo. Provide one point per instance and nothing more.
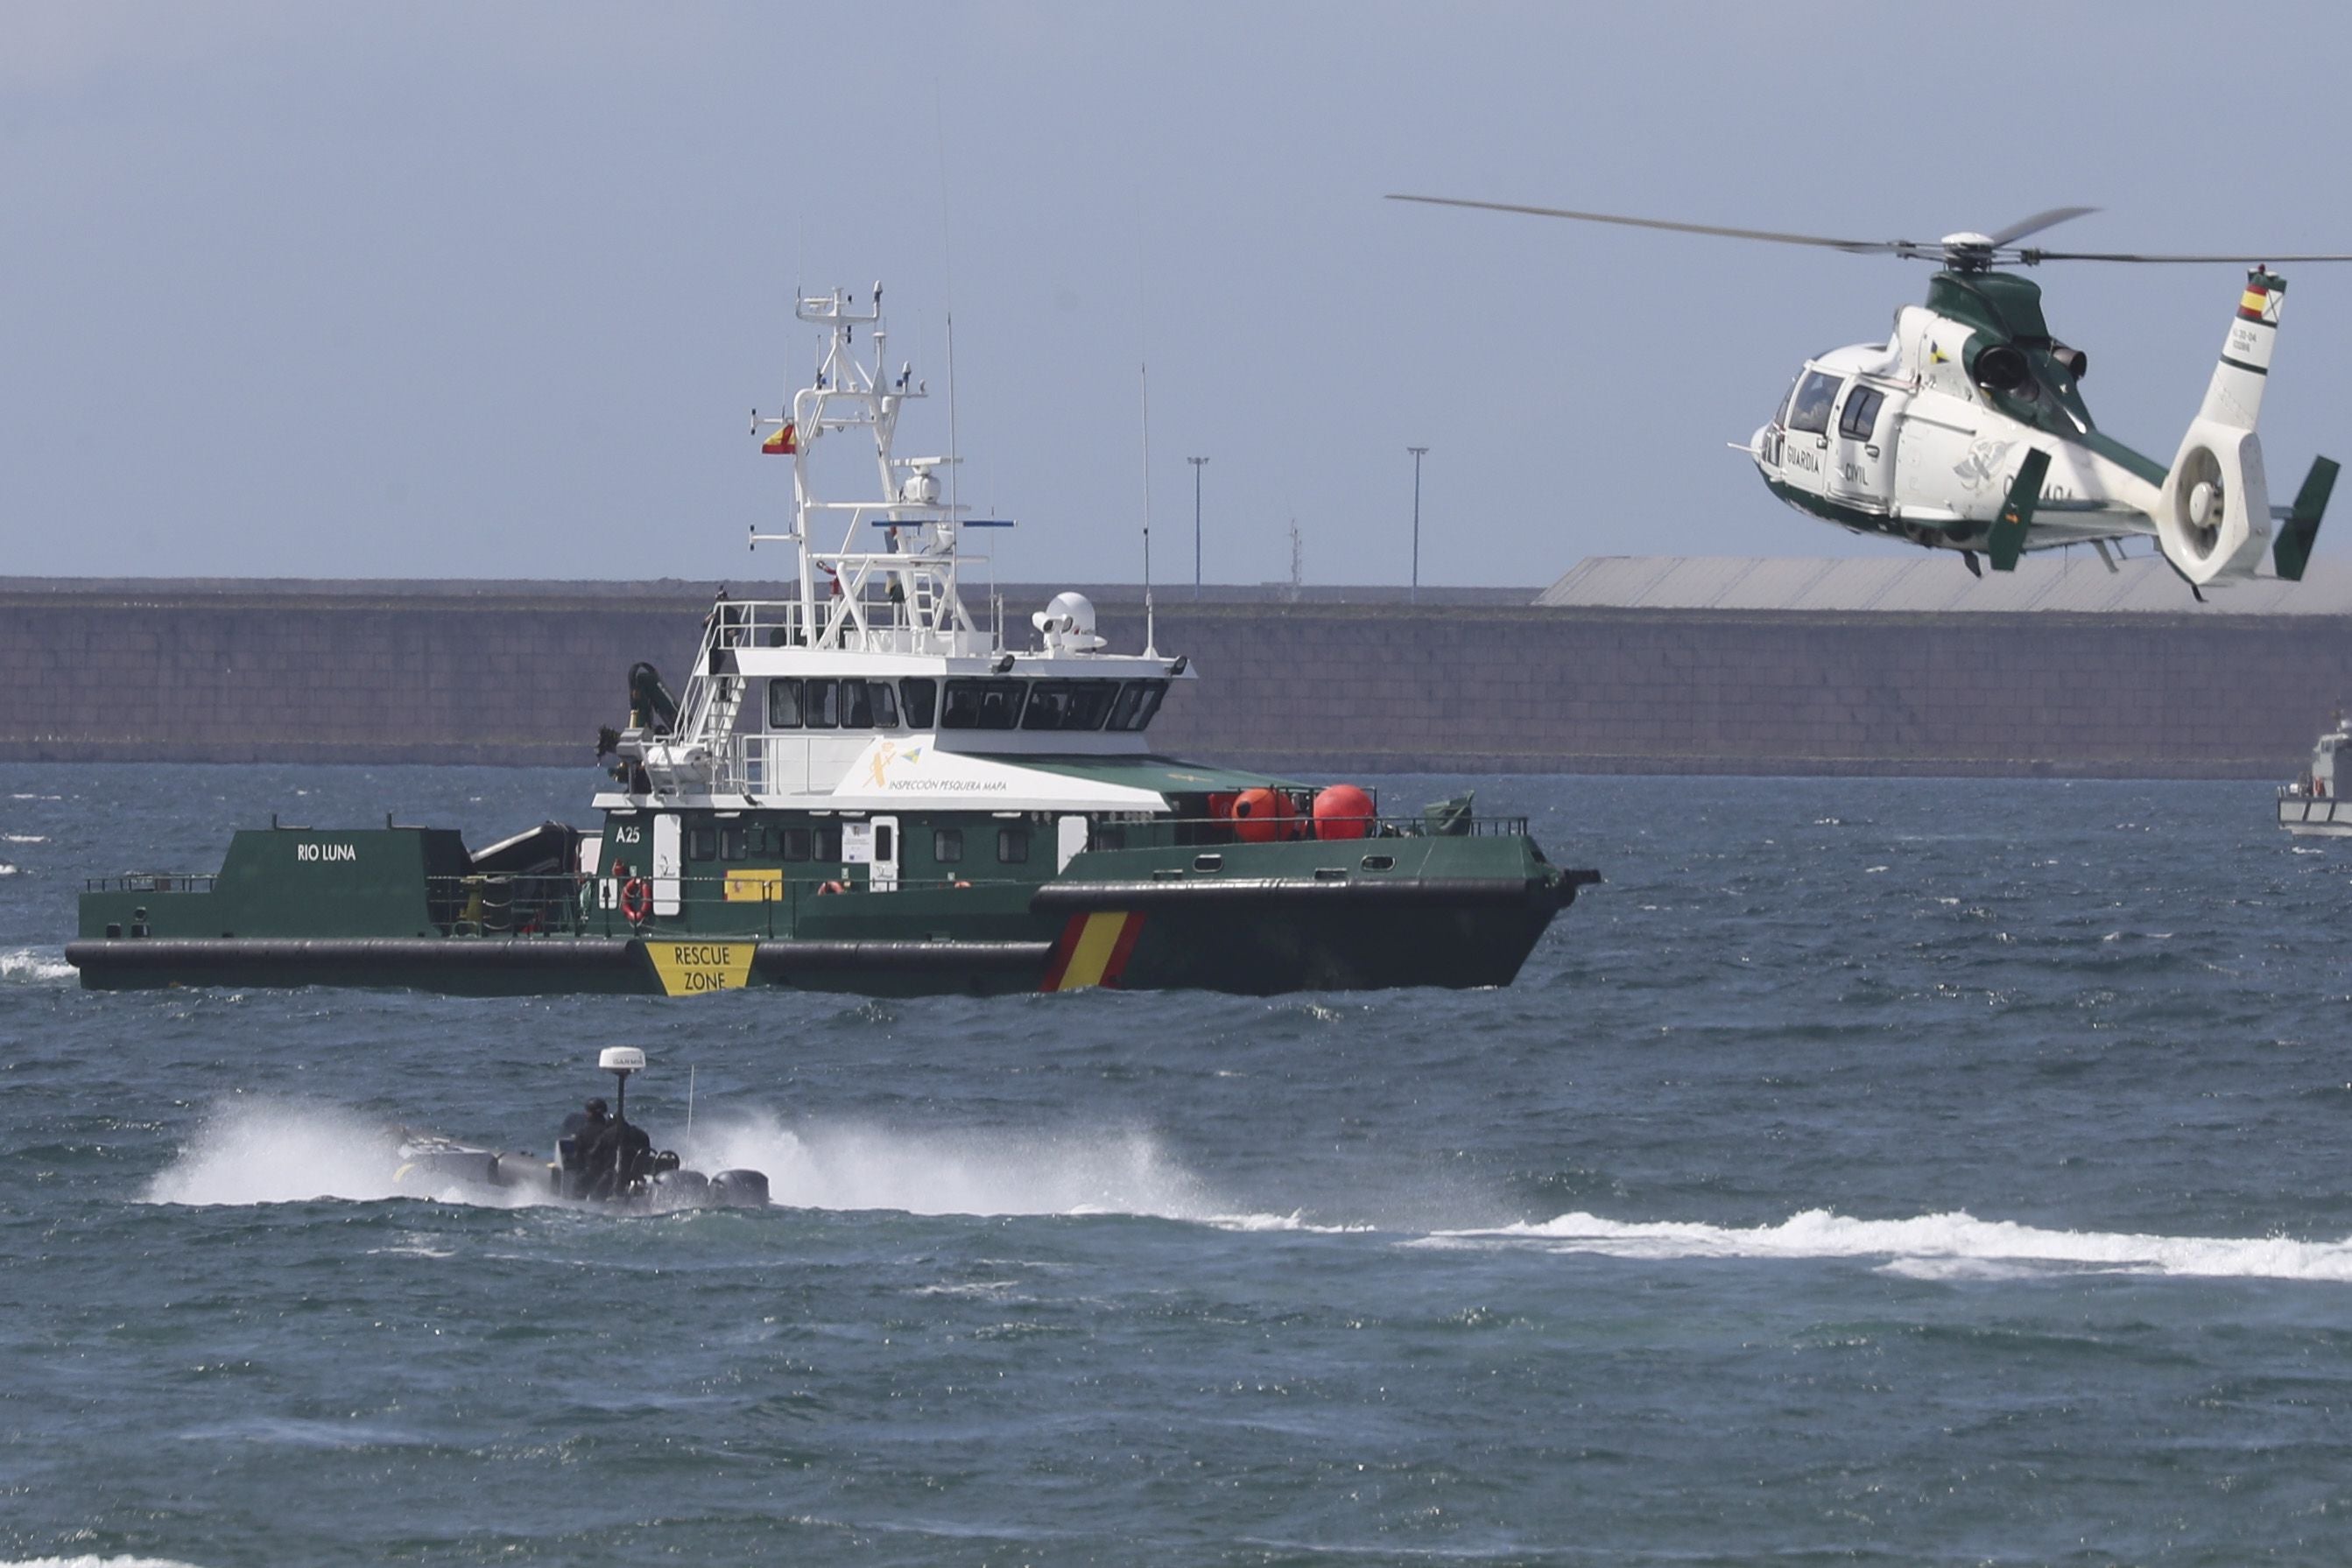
(739, 1189)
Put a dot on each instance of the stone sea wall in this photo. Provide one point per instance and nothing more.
(523, 674)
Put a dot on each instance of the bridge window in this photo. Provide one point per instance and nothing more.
(984, 705)
(1069, 705)
(702, 844)
(947, 845)
(1137, 701)
(867, 704)
(792, 844)
(731, 842)
(1861, 416)
(785, 704)
(827, 846)
(1012, 845)
(1810, 408)
(821, 706)
(922, 700)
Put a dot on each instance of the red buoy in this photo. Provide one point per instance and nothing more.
(1343, 811)
(1262, 816)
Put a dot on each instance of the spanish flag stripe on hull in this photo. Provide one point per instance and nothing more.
(1093, 950)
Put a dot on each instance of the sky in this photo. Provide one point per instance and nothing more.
(490, 290)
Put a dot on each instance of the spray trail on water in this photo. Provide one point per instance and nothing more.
(1936, 1246)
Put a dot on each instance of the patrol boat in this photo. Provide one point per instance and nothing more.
(2311, 806)
(860, 788)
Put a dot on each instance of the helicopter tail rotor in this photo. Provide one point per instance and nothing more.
(2214, 519)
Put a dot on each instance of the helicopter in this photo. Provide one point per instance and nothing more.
(1966, 430)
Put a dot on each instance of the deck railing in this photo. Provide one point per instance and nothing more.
(149, 881)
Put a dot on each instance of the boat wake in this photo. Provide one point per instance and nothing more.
(858, 1167)
(1955, 1246)
(35, 966)
(281, 1151)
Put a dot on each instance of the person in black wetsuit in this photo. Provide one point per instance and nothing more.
(596, 1146)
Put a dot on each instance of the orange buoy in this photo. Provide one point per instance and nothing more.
(1262, 816)
(1343, 811)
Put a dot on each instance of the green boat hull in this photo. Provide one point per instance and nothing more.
(397, 910)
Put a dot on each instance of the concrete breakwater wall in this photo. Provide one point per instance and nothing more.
(523, 674)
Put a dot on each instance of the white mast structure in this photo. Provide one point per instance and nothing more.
(881, 604)
(919, 556)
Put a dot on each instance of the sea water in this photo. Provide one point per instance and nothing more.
(1883, 1171)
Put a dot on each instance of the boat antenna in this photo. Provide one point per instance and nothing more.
(1150, 637)
(947, 267)
(690, 1104)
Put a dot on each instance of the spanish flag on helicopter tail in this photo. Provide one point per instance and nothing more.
(785, 441)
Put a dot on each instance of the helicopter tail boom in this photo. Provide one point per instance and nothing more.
(2214, 519)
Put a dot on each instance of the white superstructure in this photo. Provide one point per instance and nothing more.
(2311, 805)
(876, 686)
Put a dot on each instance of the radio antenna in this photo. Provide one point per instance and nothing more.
(946, 266)
(1150, 637)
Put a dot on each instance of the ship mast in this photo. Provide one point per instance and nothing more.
(890, 583)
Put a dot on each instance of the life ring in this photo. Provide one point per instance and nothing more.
(636, 900)
(833, 887)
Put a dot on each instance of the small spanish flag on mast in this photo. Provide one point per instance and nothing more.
(785, 441)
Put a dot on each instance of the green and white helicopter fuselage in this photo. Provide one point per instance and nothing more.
(1966, 430)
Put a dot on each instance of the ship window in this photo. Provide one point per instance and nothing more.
(1137, 701)
(1861, 416)
(792, 844)
(821, 709)
(922, 701)
(1107, 837)
(886, 705)
(731, 844)
(1012, 845)
(984, 705)
(785, 704)
(702, 844)
(1069, 705)
(947, 845)
(857, 704)
(886, 844)
(1810, 408)
(827, 846)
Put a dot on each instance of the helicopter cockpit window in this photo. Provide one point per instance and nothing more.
(1861, 416)
(1810, 408)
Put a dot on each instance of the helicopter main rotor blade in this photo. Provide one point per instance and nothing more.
(2031, 257)
(2038, 221)
(1853, 246)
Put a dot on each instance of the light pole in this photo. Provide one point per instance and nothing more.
(1196, 463)
(1417, 454)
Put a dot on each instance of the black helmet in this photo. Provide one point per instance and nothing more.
(597, 1108)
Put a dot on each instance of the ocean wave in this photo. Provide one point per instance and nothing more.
(24, 837)
(36, 965)
(1955, 1244)
(6, 870)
